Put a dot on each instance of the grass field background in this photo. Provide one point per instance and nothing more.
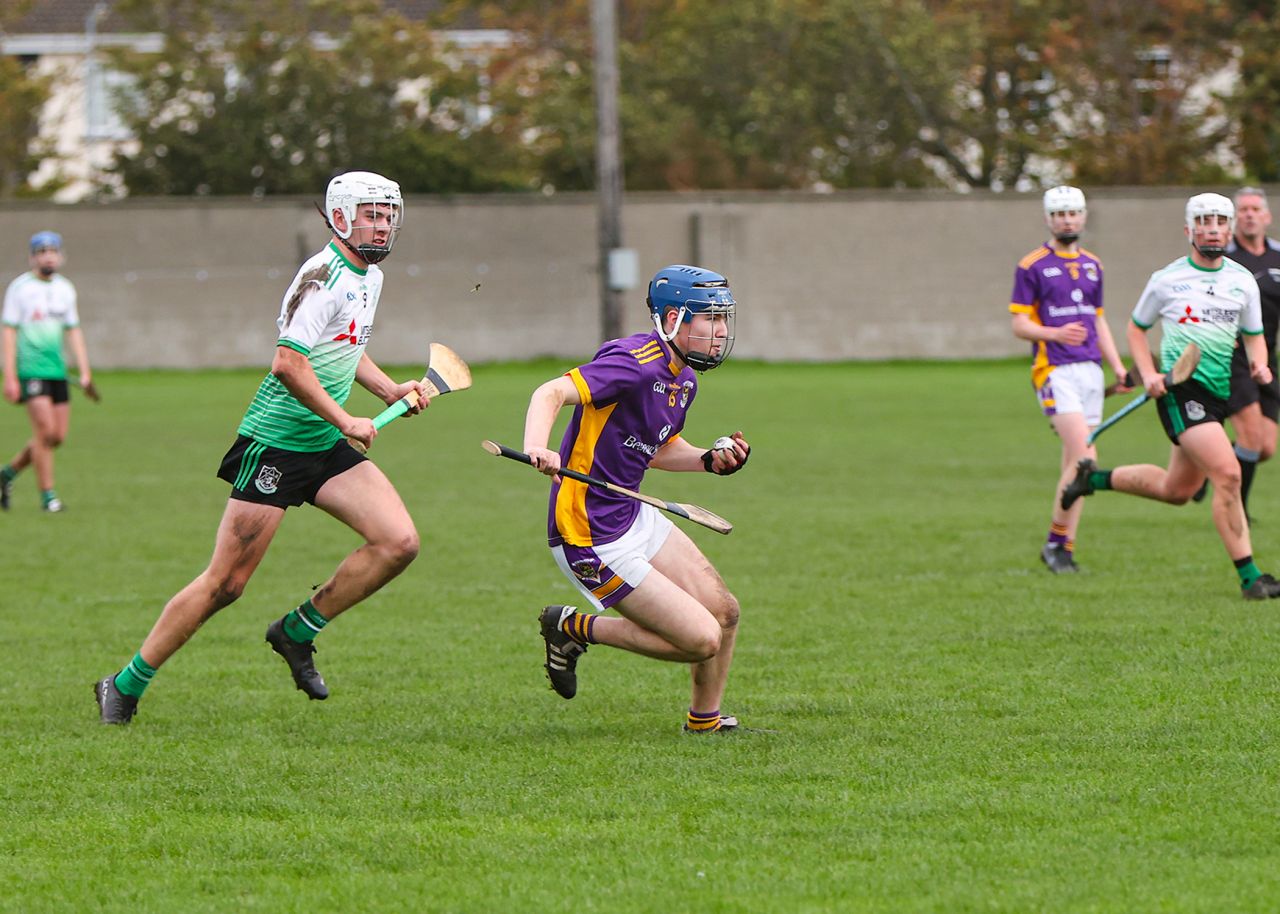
(956, 730)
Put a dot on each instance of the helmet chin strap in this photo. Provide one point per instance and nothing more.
(698, 361)
(1067, 237)
(1211, 252)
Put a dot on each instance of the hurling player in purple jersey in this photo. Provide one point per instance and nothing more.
(1057, 306)
(629, 407)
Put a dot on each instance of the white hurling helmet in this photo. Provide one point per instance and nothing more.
(1202, 205)
(348, 191)
(1063, 199)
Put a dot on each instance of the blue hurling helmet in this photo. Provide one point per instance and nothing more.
(693, 290)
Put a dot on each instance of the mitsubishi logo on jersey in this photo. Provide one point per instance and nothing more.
(352, 337)
(1188, 317)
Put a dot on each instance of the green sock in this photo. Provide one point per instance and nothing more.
(47, 495)
(304, 623)
(1247, 570)
(1100, 480)
(8, 473)
(135, 677)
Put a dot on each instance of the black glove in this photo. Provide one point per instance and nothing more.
(706, 463)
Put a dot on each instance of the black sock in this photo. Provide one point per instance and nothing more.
(1248, 461)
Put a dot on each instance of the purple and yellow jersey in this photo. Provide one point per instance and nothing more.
(1057, 289)
(634, 400)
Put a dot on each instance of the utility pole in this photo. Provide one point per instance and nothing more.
(615, 263)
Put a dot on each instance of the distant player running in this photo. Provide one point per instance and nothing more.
(1057, 305)
(40, 314)
(630, 403)
(1204, 299)
(292, 448)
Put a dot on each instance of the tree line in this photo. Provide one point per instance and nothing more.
(273, 96)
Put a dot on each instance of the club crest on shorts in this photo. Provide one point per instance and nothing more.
(268, 480)
(1195, 410)
(586, 570)
(33, 387)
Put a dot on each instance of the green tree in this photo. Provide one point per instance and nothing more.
(1132, 90)
(244, 100)
(23, 95)
(1256, 101)
(855, 93)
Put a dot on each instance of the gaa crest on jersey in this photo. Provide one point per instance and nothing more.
(587, 571)
(1194, 410)
(268, 480)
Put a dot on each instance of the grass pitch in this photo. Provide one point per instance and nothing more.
(956, 729)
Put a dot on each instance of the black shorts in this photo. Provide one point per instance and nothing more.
(1189, 404)
(44, 387)
(1245, 390)
(274, 476)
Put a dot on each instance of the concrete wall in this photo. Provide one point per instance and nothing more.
(859, 275)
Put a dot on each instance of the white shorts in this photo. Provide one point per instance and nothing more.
(1074, 388)
(605, 574)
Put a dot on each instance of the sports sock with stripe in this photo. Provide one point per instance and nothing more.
(135, 677)
(1247, 570)
(304, 623)
(579, 627)
(1057, 534)
(703, 721)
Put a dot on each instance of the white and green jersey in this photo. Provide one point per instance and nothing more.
(327, 315)
(41, 310)
(1205, 307)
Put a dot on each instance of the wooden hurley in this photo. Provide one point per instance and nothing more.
(1182, 369)
(446, 372)
(688, 512)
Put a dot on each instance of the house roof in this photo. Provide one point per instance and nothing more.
(69, 17)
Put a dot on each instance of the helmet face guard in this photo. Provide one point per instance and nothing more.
(1063, 199)
(348, 194)
(693, 292)
(1202, 207)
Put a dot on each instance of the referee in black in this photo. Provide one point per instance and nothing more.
(1254, 407)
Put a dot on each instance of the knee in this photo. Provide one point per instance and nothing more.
(727, 611)
(1228, 481)
(705, 645)
(51, 439)
(227, 590)
(402, 550)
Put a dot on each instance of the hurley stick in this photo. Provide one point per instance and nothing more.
(446, 372)
(1182, 369)
(688, 512)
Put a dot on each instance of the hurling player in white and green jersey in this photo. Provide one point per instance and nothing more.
(292, 448)
(1205, 299)
(39, 315)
